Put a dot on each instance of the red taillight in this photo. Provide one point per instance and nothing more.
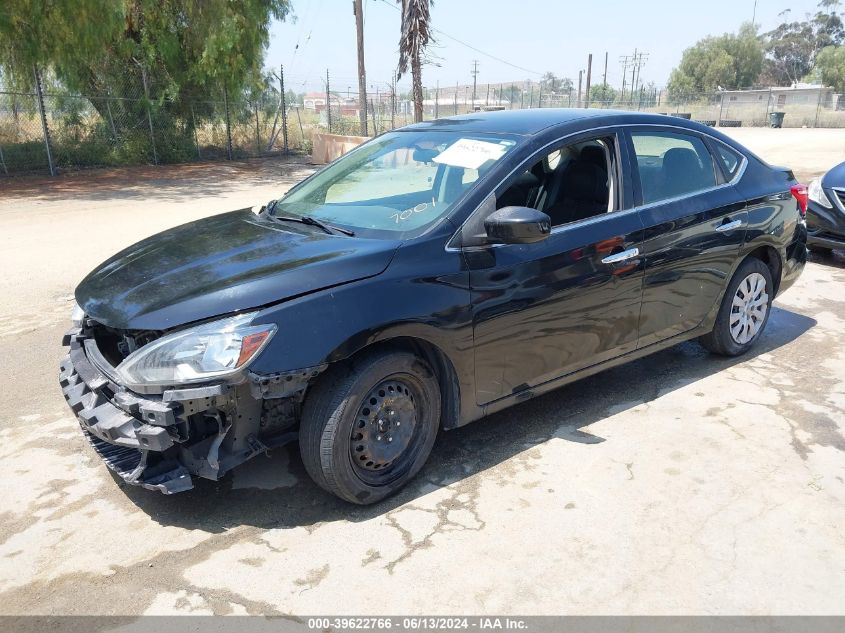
(799, 192)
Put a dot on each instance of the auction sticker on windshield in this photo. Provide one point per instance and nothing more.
(470, 153)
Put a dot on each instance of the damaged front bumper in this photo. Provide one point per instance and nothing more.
(159, 441)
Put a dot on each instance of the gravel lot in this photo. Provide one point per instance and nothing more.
(682, 483)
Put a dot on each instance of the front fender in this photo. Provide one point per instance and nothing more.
(424, 294)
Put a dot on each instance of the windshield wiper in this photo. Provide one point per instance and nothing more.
(307, 219)
(270, 207)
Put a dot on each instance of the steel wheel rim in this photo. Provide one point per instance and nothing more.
(386, 430)
(748, 308)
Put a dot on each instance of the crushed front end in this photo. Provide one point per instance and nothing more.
(161, 436)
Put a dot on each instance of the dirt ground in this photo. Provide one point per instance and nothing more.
(682, 483)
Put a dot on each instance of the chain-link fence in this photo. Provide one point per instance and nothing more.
(142, 125)
(137, 127)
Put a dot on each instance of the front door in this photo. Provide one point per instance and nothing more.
(547, 309)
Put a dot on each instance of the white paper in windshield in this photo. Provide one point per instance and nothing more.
(470, 153)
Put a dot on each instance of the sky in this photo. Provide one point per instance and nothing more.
(513, 41)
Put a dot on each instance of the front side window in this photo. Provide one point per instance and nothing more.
(571, 183)
(672, 165)
(400, 182)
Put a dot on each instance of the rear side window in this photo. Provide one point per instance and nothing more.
(671, 165)
(729, 159)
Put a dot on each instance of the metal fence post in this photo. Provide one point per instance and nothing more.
(196, 138)
(44, 127)
(301, 131)
(328, 103)
(257, 130)
(284, 109)
(228, 124)
(111, 118)
(149, 114)
(3, 162)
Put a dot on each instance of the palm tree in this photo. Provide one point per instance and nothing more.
(415, 36)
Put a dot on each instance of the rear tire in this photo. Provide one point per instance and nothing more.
(744, 311)
(352, 439)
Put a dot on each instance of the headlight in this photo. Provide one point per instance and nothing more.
(817, 194)
(77, 315)
(212, 350)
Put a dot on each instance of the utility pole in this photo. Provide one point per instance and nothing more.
(358, 10)
(436, 99)
(604, 80)
(393, 104)
(640, 62)
(474, 74)
(625, 60)
(589, 76)
(580, 78)
(633, 76)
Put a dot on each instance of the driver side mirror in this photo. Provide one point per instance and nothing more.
(517, 225)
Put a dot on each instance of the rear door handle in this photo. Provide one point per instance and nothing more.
(631, 253)
(729, 226)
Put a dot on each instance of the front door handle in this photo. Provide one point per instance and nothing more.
(631, 253)
(729, 226)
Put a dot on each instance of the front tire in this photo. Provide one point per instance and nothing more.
(368, 425)
(744, 311)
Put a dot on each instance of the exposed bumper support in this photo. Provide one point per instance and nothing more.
(159, 441)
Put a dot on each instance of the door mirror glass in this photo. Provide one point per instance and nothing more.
(517, 225)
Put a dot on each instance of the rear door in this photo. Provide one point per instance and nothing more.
(694, 225)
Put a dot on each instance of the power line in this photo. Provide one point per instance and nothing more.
(470, 46)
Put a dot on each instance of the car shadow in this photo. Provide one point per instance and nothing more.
(833, 258)
(276, 492)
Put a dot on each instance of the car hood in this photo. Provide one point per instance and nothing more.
(223, 264)
(835, 177)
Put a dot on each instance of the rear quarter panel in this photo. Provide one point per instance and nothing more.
(774, 218)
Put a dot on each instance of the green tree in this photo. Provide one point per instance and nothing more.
(792, 47)
(414, 38)
(549, 82)
(552, 83)
(183, 47)
(830, 66)
(729, 61)
(603, 94)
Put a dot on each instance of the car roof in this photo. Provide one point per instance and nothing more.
(534, 120)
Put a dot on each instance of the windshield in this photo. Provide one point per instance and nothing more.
(398, 182)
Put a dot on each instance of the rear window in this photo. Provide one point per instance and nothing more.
(672, 165)
(729, 159)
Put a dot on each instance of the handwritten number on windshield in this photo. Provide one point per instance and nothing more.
(407, 213)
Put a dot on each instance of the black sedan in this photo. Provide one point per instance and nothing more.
(432, 276)
(826, 211)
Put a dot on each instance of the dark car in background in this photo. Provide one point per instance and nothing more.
(432, 276)
(826, 211)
